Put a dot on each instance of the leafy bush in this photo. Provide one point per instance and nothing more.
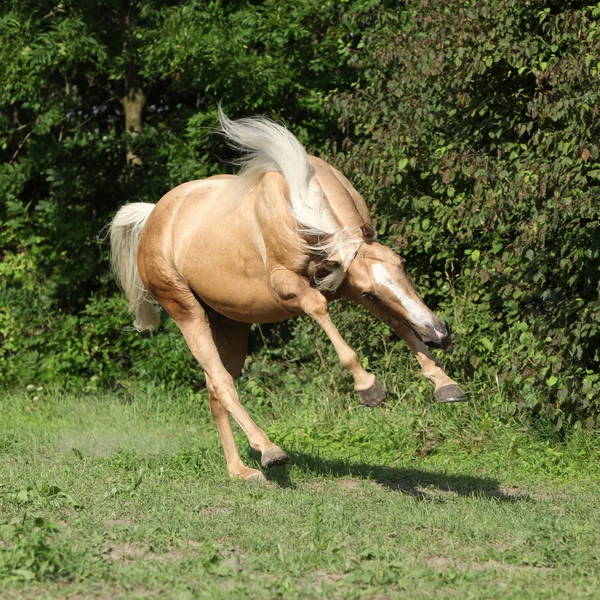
(32, 549)
(63, 143)
(474, 133)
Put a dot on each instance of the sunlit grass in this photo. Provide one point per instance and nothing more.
(127, 496)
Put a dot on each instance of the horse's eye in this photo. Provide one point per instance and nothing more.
(370, 296)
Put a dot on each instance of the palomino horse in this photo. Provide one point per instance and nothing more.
(286, 236)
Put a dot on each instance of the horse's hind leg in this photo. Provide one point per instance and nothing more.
(235, 466)
(231, 340)
(198, 332)
(232, 350)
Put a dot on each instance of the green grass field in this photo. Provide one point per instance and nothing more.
(127, 496)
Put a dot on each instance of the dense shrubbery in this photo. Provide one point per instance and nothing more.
(471, 127)
(483, 121)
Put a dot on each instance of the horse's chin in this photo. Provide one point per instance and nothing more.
(433, 340)
(438, 345)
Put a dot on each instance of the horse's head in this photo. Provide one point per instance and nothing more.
(377, 278)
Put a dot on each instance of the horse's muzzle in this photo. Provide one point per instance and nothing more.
(438, 336)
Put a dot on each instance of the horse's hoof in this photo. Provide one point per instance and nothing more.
(274, 457)
(253, 476)
(373, 396)
(449, 393)
(257, 479)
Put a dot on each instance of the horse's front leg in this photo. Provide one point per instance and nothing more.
(294, 292)
(446, 389)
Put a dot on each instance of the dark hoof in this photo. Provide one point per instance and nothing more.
(274, 457)
(450, 393)
(373, 396)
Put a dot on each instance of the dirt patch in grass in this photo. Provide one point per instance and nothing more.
(318, 579)
(328, 578)
(232, 559)
(440, 494)
(418, 492)
(349, 484)
(100, 591)
(232, 556)
(442, 563)
(100, 442)
(508, 493)
(215, 510)
(127, 554)
(318, 486)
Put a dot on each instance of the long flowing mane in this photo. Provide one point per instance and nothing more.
(267, 146)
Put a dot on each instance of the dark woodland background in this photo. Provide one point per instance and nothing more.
(471, 128)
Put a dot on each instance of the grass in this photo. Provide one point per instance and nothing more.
(127, 496)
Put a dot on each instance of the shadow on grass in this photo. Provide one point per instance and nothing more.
(421, 485)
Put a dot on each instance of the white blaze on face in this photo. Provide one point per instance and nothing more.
(418, 314)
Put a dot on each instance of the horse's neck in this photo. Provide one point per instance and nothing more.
(345, 203)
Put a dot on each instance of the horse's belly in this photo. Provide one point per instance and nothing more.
(245, 302)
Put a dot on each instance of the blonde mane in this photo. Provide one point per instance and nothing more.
(267, 146)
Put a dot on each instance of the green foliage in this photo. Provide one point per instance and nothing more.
(483, 118)
(33, 550)
(470, 127)
(63, 141)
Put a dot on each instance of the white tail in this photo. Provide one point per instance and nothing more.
(125, 231)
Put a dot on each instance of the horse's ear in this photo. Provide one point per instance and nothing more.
(331, 264)
(368, 231)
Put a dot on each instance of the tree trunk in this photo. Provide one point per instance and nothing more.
(133, 105)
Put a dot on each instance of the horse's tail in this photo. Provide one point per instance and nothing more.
(125, 231)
